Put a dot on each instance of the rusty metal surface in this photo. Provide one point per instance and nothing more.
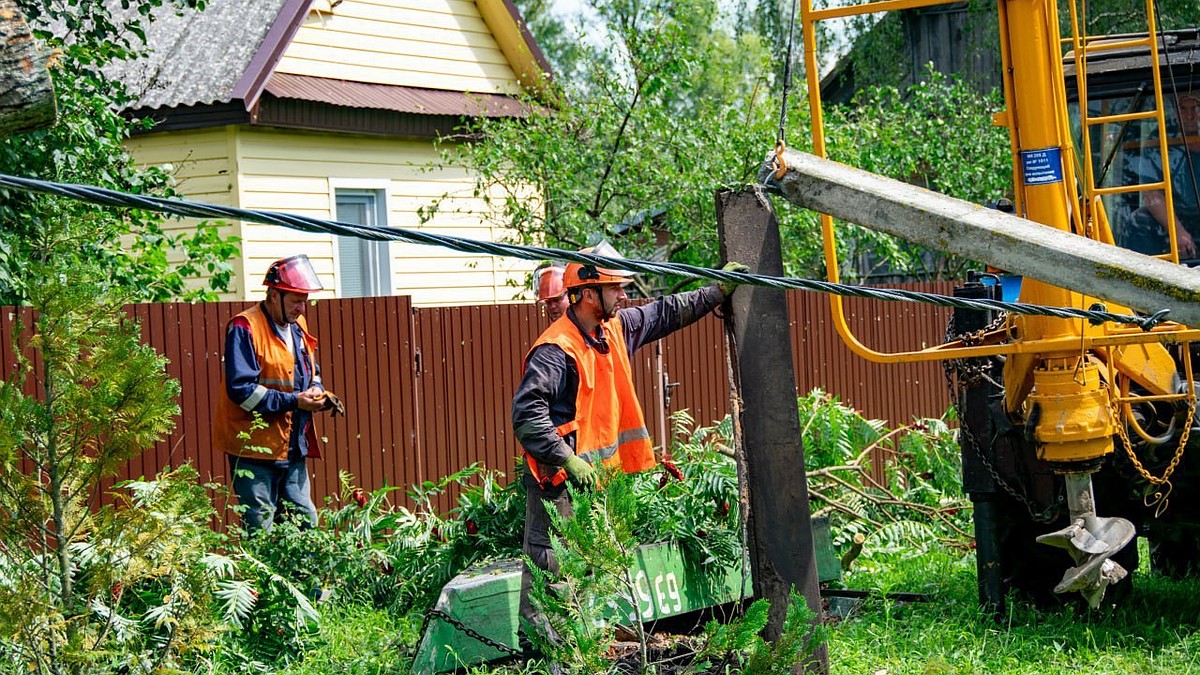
(393, 97)
(428, 390)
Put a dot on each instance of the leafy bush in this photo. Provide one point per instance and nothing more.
(372, 552)
(145, 587)
(376, 555)
(739, 646)
(909, 504)
(693, 498)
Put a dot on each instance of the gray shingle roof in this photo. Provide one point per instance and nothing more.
(197, 57)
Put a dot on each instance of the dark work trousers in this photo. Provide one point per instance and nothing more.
(266, 486)
(537, 545)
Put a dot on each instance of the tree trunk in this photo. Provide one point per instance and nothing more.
(27, 94)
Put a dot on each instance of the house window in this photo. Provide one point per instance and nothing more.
(365, 266)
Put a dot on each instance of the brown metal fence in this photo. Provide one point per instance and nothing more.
(428, 390)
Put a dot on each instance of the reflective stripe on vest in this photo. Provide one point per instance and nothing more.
(276, 372)
(609, 426)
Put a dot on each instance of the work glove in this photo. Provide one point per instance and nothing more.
(334, 402)
(728, 287)
(582, 474)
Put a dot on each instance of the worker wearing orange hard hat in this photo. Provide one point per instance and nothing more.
(551, 295)
(576, 408)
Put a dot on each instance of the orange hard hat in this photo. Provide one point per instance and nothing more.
(294, 274)
(578, 275)
(549, 282)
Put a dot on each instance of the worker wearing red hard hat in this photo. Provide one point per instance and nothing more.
(576, 407)
(551, 294)
(272, 388)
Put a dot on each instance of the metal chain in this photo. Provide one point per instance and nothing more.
(470, 632)
(960, 367)
(968, 373)
(1045, 515)
(1159, 498)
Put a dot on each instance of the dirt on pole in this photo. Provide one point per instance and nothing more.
(771, 456)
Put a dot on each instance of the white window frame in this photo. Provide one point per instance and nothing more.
(378, 255)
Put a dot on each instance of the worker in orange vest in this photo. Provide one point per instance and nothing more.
(551, 294)
(566, 429)
(271, 375)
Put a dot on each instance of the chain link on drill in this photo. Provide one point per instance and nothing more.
(970, 372)
(1158, 500)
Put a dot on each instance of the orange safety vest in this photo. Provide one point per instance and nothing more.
(609, 426)
(276, 371)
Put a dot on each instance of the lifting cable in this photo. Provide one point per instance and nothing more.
(191, 209)
(780, 141)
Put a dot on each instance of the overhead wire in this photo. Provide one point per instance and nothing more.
(193, 209)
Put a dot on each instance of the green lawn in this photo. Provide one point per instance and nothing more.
(1156, 631)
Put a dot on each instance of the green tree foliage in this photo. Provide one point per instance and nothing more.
(85, 395)
(937, 134)
(129, 247)
(666, 102)
(662, 107)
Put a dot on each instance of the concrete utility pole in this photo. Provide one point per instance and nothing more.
(26, 92)
(771, 462)
(985, 235)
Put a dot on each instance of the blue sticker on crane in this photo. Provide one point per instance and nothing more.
(1042, 167)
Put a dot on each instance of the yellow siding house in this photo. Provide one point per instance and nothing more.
(330, 108)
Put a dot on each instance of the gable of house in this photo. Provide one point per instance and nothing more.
(430, 44)
(334, 116)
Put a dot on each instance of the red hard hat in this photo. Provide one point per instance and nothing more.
(578, 275)
(550, 282)
(294, 274)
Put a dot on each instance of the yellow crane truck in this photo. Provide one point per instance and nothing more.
(1076, 436)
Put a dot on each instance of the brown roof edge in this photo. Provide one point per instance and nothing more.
(278, 37)
(396, 98)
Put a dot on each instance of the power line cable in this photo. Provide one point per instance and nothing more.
(191, 209)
